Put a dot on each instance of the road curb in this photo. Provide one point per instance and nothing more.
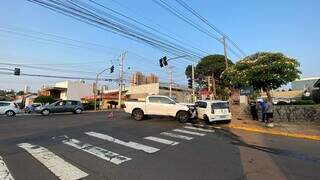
(294, 135)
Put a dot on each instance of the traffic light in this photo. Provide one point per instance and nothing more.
(17, 71)
(190, 83)
(165, 62)
(161, 62)
(112, 69)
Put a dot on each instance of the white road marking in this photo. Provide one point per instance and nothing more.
(133, 145)
(62, 169)
(199, 129)
(176, 136)
(4, 171)
(97, 151)
(161, 140)
(189, 132)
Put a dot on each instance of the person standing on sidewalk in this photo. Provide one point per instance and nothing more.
(263, 107)
(269, 113)
(254, 110)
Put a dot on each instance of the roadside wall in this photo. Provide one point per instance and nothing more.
(288, 113)
(296, 113)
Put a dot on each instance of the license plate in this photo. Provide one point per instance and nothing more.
(223, 117)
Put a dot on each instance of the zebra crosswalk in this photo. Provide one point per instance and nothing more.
(66, 169)
(62, 169)
(4, 171)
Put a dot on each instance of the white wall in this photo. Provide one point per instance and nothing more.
(75, 90)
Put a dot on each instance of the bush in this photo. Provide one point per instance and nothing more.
(44, 99)
(304, 102)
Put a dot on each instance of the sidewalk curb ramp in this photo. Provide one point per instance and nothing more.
(274, 132)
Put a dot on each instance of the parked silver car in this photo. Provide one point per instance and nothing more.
(9, 108)
(61, 106)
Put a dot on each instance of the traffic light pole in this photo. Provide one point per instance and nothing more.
(96, 89)
(193, 93)
(170, 75)
(96, 86)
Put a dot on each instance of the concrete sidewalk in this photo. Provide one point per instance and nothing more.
(296, 130)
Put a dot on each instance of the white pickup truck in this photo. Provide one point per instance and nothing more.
(159, 105)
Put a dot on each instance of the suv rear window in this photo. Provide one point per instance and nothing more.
(220, 105)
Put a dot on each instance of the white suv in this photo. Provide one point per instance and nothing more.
(9, 108)
(213, 111)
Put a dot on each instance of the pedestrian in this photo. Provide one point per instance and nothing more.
(262, 108)
(254, 110)
(269, 113)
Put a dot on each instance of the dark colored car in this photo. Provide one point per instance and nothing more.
(61, 106)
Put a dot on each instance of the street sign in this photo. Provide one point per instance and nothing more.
(246, 91)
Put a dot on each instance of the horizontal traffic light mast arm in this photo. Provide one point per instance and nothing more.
(178, 57)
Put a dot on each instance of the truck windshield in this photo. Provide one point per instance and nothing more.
(220, 105)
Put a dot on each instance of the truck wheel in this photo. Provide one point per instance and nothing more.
(137, 114)
(183, 116)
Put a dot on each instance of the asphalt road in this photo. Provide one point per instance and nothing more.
(93, 146)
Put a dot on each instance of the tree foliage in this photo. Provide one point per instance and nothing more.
(263, 70)
(44, 99)
(20, 93)
(206, 67)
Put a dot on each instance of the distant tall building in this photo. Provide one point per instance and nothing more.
(27, 89)
(137, 79)
(152, 78)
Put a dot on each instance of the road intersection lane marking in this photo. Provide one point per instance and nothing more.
(176, 136)
(62, 169)
(130, 144)
(96, 151)
(188, 132)
(161, 140)
(4, 171)
(199, 129)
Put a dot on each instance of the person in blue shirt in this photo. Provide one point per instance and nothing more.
(263, 108)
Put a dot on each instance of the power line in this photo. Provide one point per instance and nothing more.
(203, 19)
(47, 68)
(180, 15)
(94, 16)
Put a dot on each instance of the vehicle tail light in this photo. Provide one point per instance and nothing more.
(212, 111)
(123, 105)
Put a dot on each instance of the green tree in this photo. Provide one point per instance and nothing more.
(20, 93)
(44, 99)
(263, 70)
(212, 64)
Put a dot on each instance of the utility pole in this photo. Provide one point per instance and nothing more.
(213, 86)
(225, 51)
(193, 94)
(120, 78)
(95, 90)
(170, 80)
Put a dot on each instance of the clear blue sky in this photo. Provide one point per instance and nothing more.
(288, 26)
